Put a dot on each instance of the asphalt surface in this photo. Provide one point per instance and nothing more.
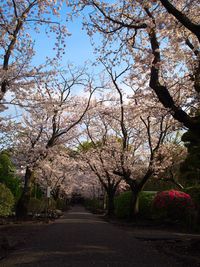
(81, 239)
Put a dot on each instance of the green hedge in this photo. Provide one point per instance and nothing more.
(145, 204)
(122, 204)
(37, 206)
(6, 200)
(93, 204)
(61, 204)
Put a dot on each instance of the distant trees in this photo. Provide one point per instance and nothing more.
(127, 138)
(99, 160)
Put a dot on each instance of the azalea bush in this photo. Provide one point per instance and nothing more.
(173, 205)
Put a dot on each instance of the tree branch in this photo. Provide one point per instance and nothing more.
(161, 91)
(182, 18)
(121, 23)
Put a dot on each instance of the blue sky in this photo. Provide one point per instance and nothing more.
(78, 45)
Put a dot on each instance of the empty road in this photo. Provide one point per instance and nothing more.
(81, 239)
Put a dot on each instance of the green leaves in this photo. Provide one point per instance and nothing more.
(6, 200)
(8, 175)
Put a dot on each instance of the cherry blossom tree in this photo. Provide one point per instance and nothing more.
(128, 136)
(174, 159)
(161, 40)
(96, 157)
(154, 124)
(53, 121)
(18, 18)
(154, 29)
(55, 172)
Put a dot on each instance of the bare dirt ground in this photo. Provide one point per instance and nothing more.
(82, 239)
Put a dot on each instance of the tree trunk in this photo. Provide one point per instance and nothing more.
(22, 204)
(110, 203)
(134, 204)
(56, 193)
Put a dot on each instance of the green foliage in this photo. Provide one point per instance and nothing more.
(85, 146)
(7, 174)
(6, 200)
(190, 168)
(61, 204)
(6, 165)
(158, 185)
(37, 206)
(145, 203)
(122, 205)
(36, 191)
(194, 192)
(52, 204)
(93, 204)
(173, 206)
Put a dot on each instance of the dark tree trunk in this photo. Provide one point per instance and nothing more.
(22, 204)
(56, 193)
(136, 188)
(134, 208)
(110, 203)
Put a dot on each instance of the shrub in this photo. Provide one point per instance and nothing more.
(6, 200)
(145, 203)
(61, 204)
(8, 174)
(51, 203)
(36, 191)
(194, 192)
(93, 204)
(173, 205)
(122, 205)
(37, 206)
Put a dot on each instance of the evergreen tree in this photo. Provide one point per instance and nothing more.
(190, 168)
(8, 174)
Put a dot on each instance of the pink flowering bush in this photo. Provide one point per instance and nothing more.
(173, 205)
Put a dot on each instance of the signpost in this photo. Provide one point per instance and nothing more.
(48, 191)
(48, 198)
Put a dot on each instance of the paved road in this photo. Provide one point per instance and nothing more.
(81, 239)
